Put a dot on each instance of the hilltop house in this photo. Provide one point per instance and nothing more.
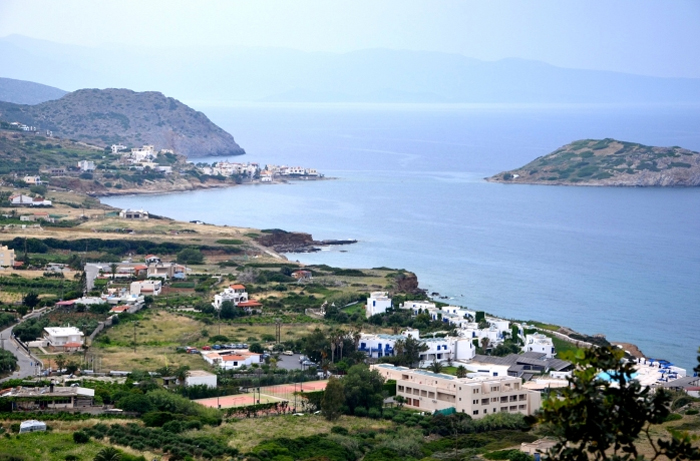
(377, 303)
(438, 349)
(133, 214)
(86, 165)
(66, 339)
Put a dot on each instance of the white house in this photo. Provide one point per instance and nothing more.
(438, 349)
(377, 303)
(7, 257)
(417, 306)
(32, 180)
(64, 338)
(133, 214)
(86, 165)
(234, 293)
(146, 287)
(117, 147)
(538, 342)
(200, 378)
(231, 359)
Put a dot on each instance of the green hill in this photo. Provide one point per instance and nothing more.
(608, 162)
(119, 116)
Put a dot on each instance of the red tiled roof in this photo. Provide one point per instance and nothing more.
(69, 302)
(72, 345)
(119, 309)
(249, 304)
(140, 267)
(232, 358)
(238, 287)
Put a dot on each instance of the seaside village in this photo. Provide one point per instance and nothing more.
(487, 384)
(145, 157)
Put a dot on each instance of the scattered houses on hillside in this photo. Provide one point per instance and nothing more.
(25, 200)
(230, 359)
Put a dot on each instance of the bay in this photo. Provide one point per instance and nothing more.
(617, 261)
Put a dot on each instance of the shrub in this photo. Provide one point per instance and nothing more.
(80, 437)
(692, 412)
(672, 417)
(339, 430)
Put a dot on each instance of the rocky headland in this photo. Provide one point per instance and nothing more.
(120, 116)
(609, 162)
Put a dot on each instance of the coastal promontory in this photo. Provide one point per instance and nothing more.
(121, 116)
(609, 162)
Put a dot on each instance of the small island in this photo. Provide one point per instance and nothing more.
(609, 162)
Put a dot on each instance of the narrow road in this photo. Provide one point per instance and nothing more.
(27, 365)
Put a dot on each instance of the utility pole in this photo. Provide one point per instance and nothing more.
(278, 330)
(134, 336)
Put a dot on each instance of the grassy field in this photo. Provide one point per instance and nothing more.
(244, 434)
(159, 332)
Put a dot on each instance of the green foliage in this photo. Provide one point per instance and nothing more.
(363, 388)
(333, 399)
(283, 449)
(80, 437)
(190, 256)
(8, 362)
(603, 419)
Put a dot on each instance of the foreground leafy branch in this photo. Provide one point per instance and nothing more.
(595, 419)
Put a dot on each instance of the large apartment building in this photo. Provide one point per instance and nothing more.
(476, 397)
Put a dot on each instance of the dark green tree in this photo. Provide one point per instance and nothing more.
(363, 388)
(461, 371)
(190, 256)
(31, 300)
(697, 369)
(256, 347)
(333, 399)
(595, 419)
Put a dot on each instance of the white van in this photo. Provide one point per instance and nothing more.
(287, 353)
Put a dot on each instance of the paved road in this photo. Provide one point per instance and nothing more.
(27, 365)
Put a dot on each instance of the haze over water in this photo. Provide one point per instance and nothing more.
(618, 261)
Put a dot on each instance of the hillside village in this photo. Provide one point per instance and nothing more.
(188, 330)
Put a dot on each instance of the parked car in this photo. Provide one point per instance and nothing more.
(206, 348)
(216, 347)
(288, 353)
(302, 358)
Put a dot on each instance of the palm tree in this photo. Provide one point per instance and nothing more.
(461, 371)
(108, 454)
(60, 361)
(436, 367)
(113, 267)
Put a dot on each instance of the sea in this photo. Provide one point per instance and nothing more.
(408, 184)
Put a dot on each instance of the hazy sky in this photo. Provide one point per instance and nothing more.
(646, 37)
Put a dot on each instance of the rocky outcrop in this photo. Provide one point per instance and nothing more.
(608, 162)
(119, 116)
(295, 242)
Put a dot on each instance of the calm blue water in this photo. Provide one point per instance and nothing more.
(622, 262)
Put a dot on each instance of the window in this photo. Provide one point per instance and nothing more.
(400, 388)
(475, 391)
(475, 402)
(475, 412)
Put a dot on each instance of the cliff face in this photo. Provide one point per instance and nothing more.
(609, 162)
(126, 117)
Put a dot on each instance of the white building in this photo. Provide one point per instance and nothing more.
(231, 359)
(200, 378)
(64, 338)
(377, 303)
(234, 293)
(133, 214)
(146, 287)
(32, 180)
(7, 257)
(538, 342)
(476, 397)
(439, 349)
(117, 147)
(86, 165)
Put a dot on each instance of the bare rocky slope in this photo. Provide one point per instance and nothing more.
(608, 162)
(111, 116)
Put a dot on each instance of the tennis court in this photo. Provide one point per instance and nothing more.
(268, 394)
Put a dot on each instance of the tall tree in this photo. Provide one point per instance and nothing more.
(333, 399)
(596, 419)
(436, 367)
(108, 454)
(461, 371)
(363, 388)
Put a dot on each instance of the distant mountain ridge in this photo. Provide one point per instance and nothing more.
(609, 162)
(120, 116)
(370, 75)
(24, 92)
